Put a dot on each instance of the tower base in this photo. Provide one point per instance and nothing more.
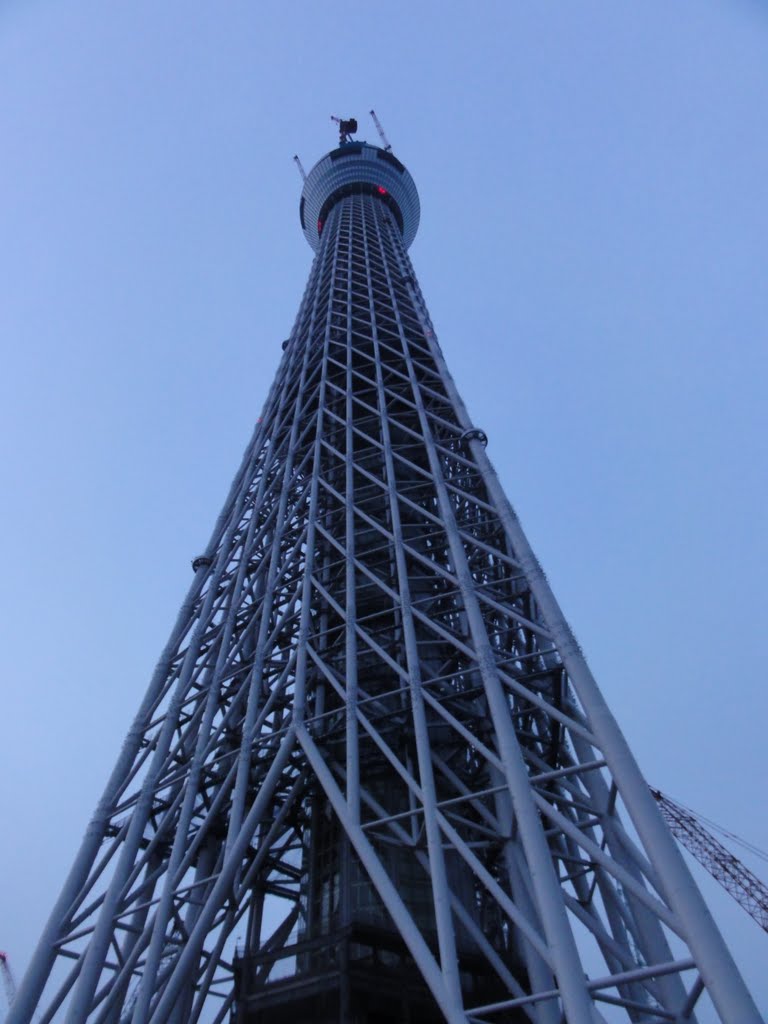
(359, 975)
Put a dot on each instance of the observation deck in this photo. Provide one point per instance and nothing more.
(353, 168)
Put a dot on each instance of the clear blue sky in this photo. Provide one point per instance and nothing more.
(593, 252)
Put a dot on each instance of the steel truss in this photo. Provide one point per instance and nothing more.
(371, 712)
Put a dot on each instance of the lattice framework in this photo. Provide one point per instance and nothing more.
(371, 652)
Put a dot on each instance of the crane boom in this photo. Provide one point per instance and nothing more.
(300, 165)
(380, 130)
(735, 877)
(8, 981)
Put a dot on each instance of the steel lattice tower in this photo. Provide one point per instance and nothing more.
(373, 779)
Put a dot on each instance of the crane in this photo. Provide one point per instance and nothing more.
(347, 128)
(380, 130)
(689, 830)
(300, 165)
(8, 982)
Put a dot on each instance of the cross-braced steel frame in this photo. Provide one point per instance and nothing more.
(372, 729)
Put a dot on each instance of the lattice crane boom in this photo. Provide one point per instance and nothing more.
(745, 887)
(9, 983)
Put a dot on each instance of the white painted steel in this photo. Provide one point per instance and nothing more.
(371, 713)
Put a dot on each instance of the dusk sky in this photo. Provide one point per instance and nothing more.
(593, 253)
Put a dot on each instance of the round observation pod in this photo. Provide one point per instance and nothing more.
(353, 168)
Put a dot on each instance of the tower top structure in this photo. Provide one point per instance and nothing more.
(358, 167)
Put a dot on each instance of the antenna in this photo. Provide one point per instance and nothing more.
(380, 130)
(347, 128)
(299, 164)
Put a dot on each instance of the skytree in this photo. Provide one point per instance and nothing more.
(373, 778)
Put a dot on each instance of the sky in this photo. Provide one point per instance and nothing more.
(592, 250)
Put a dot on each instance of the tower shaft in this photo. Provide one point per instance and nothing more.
(373, 778)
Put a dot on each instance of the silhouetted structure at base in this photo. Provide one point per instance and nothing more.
(359, 975)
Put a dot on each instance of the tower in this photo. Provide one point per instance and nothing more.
(372, 778)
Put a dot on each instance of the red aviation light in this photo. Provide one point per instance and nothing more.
(381, 190)
(319, 226)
